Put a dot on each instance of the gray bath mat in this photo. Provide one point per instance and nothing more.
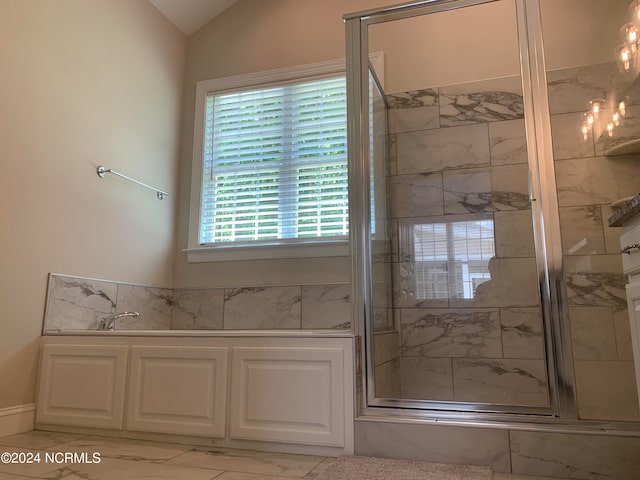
(370, 468)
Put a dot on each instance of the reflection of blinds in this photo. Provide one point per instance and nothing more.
(452, 259)
(275, 163)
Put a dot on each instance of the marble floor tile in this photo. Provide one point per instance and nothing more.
(250, 476)
(509, 476)
(111, 469)
(35, 469)
(37, 439)
(124, 449)
(11, 476)
(248, 461)
(320, 468)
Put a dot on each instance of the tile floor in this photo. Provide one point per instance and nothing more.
(122, 459)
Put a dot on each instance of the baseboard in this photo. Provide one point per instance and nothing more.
(18, 419)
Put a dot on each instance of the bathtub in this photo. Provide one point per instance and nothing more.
(278, 390)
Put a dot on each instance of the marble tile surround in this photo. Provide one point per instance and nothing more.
(441, 128)
(75, 303)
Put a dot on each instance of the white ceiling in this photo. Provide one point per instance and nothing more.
(190, 15)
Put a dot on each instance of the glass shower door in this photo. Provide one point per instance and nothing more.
(455, 298)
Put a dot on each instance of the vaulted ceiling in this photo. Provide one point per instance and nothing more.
(190, 15)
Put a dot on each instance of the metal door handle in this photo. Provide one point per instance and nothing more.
(628, 248)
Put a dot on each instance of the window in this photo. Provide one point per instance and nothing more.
(270, 165)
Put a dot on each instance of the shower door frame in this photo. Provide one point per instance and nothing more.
(545, 213)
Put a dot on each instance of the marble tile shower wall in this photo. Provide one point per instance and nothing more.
(458, 154)
(75, 303)
(588, 181)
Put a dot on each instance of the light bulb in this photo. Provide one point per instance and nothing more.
(625, 56)
(590, 119)
(610, 129)
(616, 119)
(595, 108)
(585, 132)
(629, 34)
(622, 108)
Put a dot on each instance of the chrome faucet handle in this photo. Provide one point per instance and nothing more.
(628, 248)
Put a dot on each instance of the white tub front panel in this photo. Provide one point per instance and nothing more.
(180, 390)
(288, 395)
(82, 385)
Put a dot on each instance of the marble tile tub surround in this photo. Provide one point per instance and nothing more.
(77, 303)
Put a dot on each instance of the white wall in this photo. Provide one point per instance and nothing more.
(82, 83)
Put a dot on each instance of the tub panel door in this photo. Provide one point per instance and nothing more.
(288, 395)
(82, 385)
(179, 390)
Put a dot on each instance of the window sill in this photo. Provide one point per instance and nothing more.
(267, 252)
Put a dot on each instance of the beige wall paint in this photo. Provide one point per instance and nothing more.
(253, 36)
(452, 47)
(581, 32)
(82, 84)
(448, 48)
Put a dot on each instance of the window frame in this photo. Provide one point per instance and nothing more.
(289, 248)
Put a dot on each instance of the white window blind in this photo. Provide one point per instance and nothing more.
(275, 164)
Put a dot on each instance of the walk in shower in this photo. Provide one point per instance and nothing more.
(474, 277)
